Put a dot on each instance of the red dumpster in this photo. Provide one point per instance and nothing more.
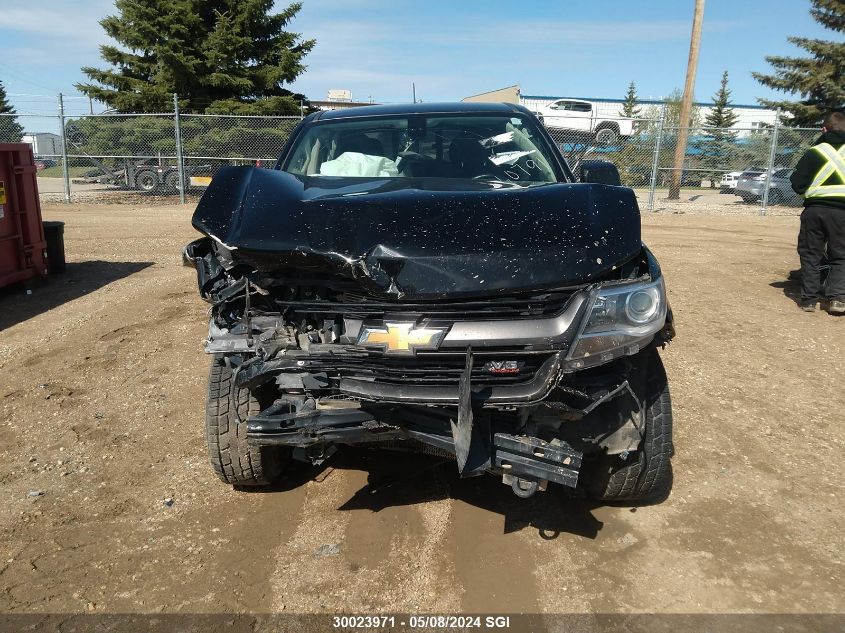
(23, 249)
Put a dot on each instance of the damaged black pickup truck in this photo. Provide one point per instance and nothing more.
(434, 278)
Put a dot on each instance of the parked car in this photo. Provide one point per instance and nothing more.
(433, 277)
(728, 182)
(751, 186)
(578, 115)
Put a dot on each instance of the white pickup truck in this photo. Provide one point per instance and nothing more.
(581, 116)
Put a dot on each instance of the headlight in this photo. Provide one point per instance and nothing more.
(620, 320)
(642, 305)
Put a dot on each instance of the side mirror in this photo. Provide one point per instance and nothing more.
(600, 172)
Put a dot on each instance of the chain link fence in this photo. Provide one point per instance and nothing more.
(750, 165)
(106, 157)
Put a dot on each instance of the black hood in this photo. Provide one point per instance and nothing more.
(421, 237)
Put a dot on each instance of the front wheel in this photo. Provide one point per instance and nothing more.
(644, 475)
(234, 460)
(607, 135)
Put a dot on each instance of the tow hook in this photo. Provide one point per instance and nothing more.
(529, 463)
(524, 488)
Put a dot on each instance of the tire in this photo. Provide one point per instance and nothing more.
(233, 459)
(775, 196)
(610, 133)
(146, 181)
(171, 182)
(646, 474)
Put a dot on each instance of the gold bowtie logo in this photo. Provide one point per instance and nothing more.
(401, 338)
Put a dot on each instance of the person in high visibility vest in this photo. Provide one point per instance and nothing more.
(820, 177)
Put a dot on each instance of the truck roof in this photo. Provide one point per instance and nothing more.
(421, 108)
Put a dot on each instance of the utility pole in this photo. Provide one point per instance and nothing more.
(414, 91)
(65, 172)
(686, 102)
(180, 162)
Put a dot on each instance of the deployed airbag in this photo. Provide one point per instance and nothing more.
(357, 165)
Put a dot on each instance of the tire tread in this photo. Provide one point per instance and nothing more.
(233, 459)
(649, 478)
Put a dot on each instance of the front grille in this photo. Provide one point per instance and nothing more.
(535, 305)
(434, 369)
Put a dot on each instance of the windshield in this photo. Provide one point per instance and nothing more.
(502, 148)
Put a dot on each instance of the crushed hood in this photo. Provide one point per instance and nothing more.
(421, 237)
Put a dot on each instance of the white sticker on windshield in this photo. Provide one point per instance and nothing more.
(509, 158)
(499, 139)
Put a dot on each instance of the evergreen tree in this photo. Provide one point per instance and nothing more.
(633, 158)
(217, 55)
(721, 115)
(10, 129)
(718, 142)
(629, 105)
(818, 79)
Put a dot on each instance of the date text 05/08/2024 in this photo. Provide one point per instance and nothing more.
(421, 621)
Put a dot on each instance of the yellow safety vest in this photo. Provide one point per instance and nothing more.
(834, 164)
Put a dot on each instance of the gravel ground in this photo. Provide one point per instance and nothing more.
(110, 506)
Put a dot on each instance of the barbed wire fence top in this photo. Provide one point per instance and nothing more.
(110, 156)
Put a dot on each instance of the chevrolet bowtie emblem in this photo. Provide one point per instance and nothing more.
(401, 338)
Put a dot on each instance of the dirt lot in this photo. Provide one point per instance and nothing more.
(102, 383)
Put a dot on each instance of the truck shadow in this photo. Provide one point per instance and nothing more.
(401, 478)
(79, 279)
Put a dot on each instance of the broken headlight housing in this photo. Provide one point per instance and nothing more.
(621, 319)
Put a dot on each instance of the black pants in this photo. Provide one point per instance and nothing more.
(822, 225)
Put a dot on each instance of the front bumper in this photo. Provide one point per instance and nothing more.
(525, 458)
(527, 443)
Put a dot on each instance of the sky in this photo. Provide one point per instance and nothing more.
(450, 49)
